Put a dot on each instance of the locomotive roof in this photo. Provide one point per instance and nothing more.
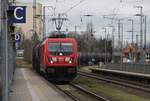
(58, 39)
(61, 39)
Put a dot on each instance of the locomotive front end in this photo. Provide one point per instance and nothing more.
(61, 61)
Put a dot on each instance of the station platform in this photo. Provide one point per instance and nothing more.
(29, 86)
(121, 73)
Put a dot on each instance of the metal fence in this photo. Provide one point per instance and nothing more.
(7, 54)
(129, 67)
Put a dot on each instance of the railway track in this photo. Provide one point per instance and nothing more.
(125, 83)
(77, 93)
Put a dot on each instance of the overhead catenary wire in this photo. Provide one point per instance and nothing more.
(73, 6)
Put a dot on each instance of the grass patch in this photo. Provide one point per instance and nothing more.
(109, 91)
(86, 68)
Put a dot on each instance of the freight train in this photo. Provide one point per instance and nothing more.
(56, 57)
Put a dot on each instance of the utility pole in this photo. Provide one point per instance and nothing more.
(141, 25)
(75, 28)
(89, 24)
(132, 22)
(105, 46)
(145, 31)
(105, 31)
(119, 42)
(119, 29)
(122, 43)
(120, 38)
(113, 42)
(137, 39)
(120, 33)
(107, 41)
(141, 30)
(141, 11)
(43, 17)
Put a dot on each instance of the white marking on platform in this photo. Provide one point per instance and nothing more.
(34, 96)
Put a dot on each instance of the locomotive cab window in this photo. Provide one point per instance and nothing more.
(60, 48)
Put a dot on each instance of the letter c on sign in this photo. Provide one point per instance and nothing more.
(15, 13)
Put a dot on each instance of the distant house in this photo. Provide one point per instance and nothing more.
(132, 53)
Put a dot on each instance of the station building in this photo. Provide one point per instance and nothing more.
(26, 29)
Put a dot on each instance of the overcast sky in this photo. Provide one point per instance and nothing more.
(120, 8)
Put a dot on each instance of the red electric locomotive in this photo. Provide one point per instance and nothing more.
(57, 58)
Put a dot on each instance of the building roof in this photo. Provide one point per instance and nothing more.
(131, 48)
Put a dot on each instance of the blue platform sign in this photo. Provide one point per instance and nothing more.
(17, 37)
(19, 14)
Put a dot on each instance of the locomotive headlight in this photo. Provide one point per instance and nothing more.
(70, 61)
(50, 60)
(54, 59)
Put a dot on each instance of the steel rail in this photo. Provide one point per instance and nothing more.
(118, 82)
(74, 98)
(135, 82)
(89, 92)
(61, 90)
